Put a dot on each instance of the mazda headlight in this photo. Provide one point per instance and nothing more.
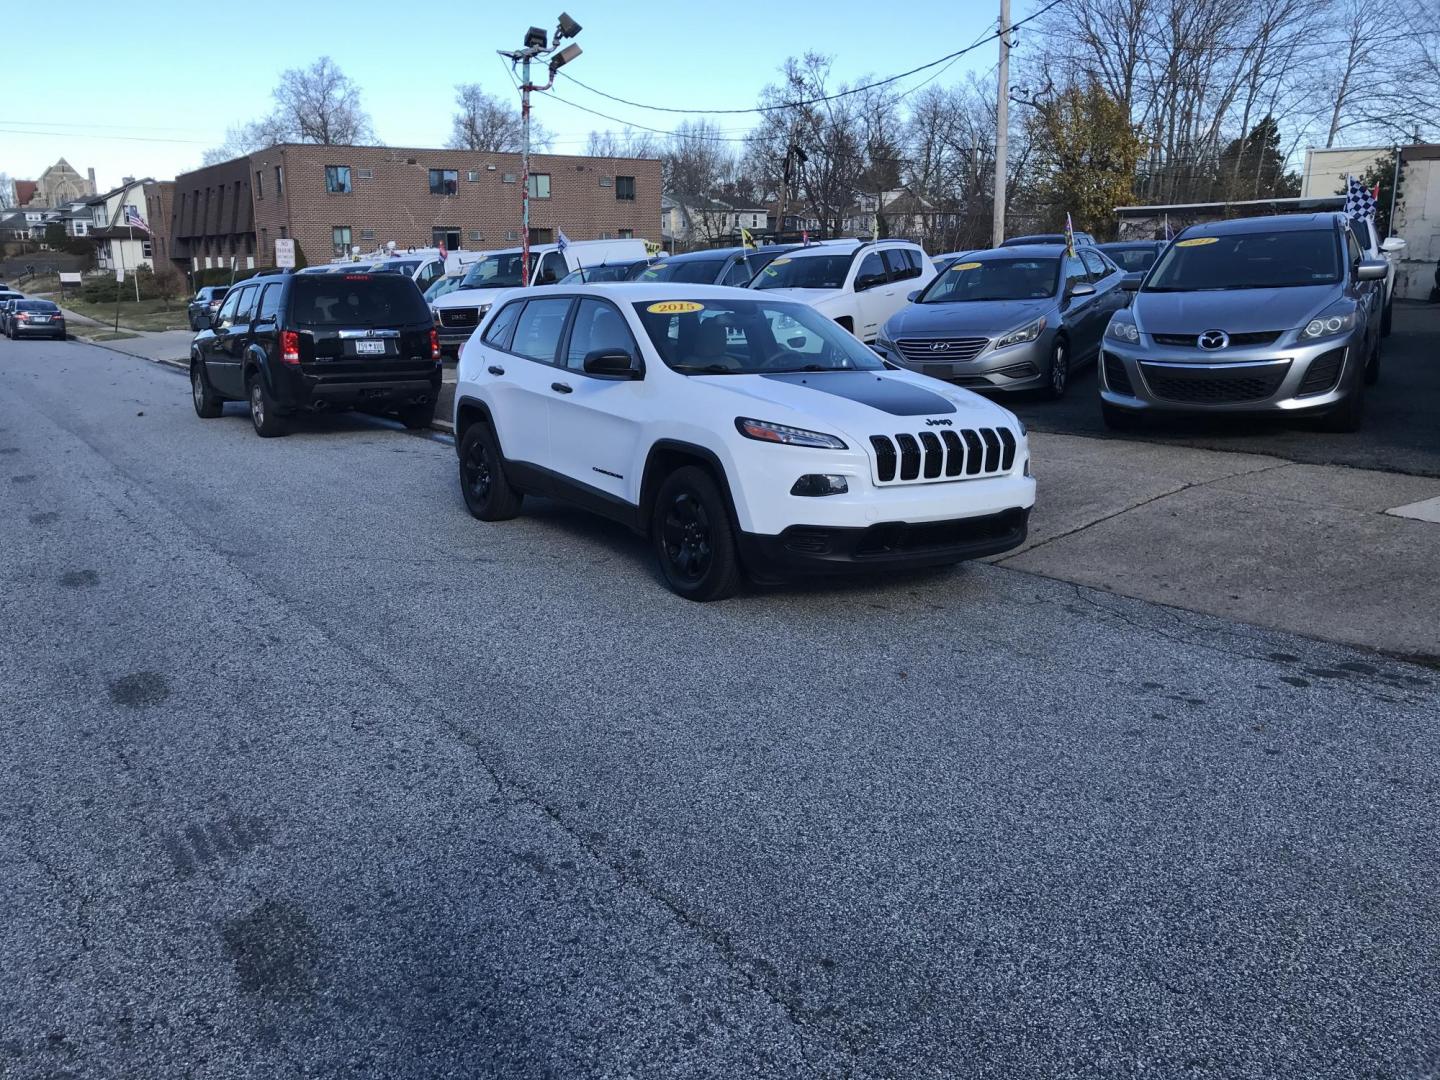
(1123, 330)
(1024, 334)
(762, 431)
(1335, 320)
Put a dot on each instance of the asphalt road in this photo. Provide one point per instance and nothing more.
(1401, 432)
(305, 772)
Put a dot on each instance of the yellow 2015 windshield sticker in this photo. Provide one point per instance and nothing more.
(779, 262)
(965, 266)
(1198, 241)
(675, 307)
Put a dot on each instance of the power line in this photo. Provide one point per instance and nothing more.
(90, 135)
(949, 57)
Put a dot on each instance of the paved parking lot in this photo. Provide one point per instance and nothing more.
(308, 773)
(1402, 423)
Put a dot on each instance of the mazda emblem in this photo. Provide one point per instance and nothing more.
(1214, 339)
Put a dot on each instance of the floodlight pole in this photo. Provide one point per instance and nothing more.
(1002, 127)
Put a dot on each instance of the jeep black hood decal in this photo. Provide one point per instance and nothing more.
(893, 396)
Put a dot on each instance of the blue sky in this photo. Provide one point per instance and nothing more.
(189, 75)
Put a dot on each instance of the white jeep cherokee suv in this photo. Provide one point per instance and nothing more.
(859, 284)
(736, 430)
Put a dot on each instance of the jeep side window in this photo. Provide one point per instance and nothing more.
(497, 334)
(552, 268)
(537, 333)
(871, 272)
(598, 327)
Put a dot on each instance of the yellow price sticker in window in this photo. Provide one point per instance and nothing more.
(1198, 241)
(965, 266)
(779, 262)
(675, 307)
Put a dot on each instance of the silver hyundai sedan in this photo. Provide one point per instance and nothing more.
(1013, 318)
(1277, 315)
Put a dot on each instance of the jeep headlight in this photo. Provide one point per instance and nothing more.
(1025, 333)
(1335, 320)
(762, 431)
(1123, 330)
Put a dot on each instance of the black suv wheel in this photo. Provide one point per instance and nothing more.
(694, 543)
(264, 413)
(207, 405)
(487, 490)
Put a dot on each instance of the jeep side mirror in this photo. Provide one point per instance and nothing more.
(612, 364)
(912, 294)
(1131, 282)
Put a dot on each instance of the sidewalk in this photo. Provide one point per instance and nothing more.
(1305, 548)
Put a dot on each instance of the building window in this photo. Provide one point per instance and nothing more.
(605, 181)
(476, 235)
(606, 236)
(512, 234)
(625, 188)
(259, 184)
(627, 234)
(147, 249)
(340, 239)
(472, 176)
(444, 181)
(542, 236)
(446, 237)
(279, 181)
(364, 174)
(337, 179)
(367, 234)
(539, 185)
(508, 178)
(284, 232)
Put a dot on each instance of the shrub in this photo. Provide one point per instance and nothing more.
(102, 288)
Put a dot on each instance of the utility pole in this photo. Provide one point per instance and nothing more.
(536, 45)
(1002, 127)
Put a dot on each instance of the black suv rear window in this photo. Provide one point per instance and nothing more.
(356, 300)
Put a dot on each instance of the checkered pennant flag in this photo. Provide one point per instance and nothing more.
(1359, 201)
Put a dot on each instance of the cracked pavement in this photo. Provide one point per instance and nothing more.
(308, 773)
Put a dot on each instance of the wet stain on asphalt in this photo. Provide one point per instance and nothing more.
(45, 517)
(139, 689)
(9, 449)
(1284, 657)
(23, 478)
(79, 579)
(275, 950)
(1294, 680)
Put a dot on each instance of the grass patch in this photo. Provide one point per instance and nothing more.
(101, 333)
(146, 315)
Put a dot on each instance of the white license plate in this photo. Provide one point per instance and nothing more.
(41, 318)
(370, 346)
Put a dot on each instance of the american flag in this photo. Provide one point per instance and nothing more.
(133, 220)
(1359, 200)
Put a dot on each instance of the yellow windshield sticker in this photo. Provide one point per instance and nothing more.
(1199, 241)
(779, 262)
(675, 307)
(965, 266)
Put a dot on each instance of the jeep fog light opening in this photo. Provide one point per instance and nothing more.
(761, 431)
(815, 485)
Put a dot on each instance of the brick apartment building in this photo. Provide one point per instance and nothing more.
(332, 198)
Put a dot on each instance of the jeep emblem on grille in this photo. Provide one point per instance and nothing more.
(937, 423)
(1214, 339)
(939, 346)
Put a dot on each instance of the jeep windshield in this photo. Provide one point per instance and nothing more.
(1274, 260)
(356, 300)
(994, 279)
(805, 272)
(495, 272)
(749, 337)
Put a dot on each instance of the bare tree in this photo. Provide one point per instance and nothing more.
(628, 143)
(7, 191)
(488, 124)
(317, 104)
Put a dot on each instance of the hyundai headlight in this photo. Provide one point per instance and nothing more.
(1123, 330)
(1332, 322)
(762, 431)
(1024, 334)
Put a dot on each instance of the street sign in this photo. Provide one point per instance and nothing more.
(119, 273)
(285, 254)
(67, 278)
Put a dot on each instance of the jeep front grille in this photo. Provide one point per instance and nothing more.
(943, 454)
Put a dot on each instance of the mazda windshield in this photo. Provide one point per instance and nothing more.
(495, 272)
(805, 272)
(994, 279)
(750, 337)
(1259, 260)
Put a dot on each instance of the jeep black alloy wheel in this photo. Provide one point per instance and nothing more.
(207, 405)
(487, 490)
(692, 536)
(263, 413)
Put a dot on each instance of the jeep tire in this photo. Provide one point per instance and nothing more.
(487, 490)
(694, 541)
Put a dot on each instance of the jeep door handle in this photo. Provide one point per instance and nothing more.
(561, 388)
(495, 369)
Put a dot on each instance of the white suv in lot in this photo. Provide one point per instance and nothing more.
(738, 431)
(859, 284)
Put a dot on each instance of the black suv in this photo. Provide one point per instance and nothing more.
(292, 342)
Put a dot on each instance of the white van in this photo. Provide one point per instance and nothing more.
(457, 313)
